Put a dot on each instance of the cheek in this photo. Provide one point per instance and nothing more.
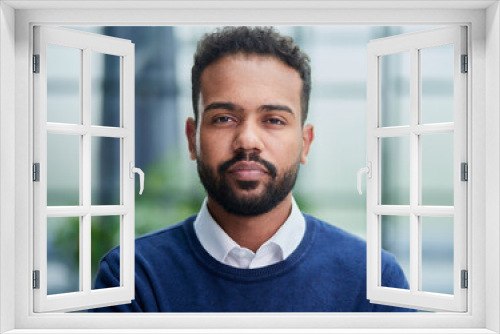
(285, 153)
(212, 147)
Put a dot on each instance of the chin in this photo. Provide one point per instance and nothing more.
(248, 186)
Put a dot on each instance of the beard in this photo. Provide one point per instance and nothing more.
(219, 188)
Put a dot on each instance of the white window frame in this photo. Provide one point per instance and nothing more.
(413, 43)
(86, 43)
(483, 20)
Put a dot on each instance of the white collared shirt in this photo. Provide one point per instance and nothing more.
(224, 249)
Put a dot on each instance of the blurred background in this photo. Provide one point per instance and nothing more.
(326, 187)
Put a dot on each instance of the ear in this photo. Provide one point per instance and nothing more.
(191, 137)
(307, 139)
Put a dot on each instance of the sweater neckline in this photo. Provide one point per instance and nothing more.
(254, 274)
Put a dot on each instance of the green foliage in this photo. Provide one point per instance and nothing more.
(105, 235)
(64, 234)
(168, 196)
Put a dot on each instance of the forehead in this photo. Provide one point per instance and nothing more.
(249, 62)
(244, 76)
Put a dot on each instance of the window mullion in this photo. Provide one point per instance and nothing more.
(414, 170)
(123, 242)
(127, 154)
(86, 184)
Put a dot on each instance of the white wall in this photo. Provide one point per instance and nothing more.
(7, 163)
(492, 163)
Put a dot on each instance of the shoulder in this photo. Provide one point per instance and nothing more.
(173, 236)
(345, 255)
(344, 246)
(333, 237)
(167, 239)
(161, 234)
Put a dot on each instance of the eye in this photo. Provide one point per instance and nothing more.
(275, 121)
(222, 119)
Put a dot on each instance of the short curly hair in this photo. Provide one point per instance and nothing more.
(250, 40)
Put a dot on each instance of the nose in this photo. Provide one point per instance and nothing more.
(248, 137)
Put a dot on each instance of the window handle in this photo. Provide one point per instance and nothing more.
(141, 175)
(368, 171)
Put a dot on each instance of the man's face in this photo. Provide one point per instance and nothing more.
(249, 141)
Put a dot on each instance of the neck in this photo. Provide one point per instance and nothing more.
(251, 232)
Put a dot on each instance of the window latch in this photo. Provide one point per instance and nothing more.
(141, 175)
(368, 171)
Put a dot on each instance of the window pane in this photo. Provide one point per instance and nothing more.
(63, 235)
(63, 84)
(395, 170)
(63, 169)
(105, 89)
(437, 77)
(437, 254)
(395, 89)
(105, 171)
(105, 235)
(395, 237)
(437, 169)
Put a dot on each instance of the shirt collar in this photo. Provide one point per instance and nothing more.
(290, 234)
(218, 244)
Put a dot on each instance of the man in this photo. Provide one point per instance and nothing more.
(250, 249)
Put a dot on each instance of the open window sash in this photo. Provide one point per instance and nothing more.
(414, 43)
(83, 131)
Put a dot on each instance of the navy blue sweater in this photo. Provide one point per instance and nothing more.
(174, 273)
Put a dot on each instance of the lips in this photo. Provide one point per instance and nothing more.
(247, 170)
(247, 165)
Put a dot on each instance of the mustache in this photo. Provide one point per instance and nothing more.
(242, 156)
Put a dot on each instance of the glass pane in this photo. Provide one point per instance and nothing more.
(437, 254)
(63, 253)
(63, 169)
(105, 171)
(105, 89)
(437, 77)
(105, 235)
(395, 170)
(437, 169)
(63, 84)
(395, 89)
(395, 238)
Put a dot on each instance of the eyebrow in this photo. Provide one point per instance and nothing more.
(232, 107)
(279, 107)
(221, 105)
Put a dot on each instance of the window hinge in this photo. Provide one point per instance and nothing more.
(36, 63)
(36, 279)
(464, 172)
(36, 172)
(465, 279)
(465, 64)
